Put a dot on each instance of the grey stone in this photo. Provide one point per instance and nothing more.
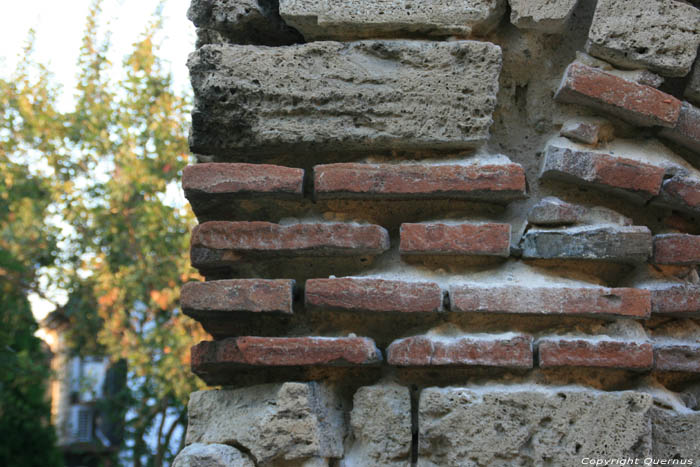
(624, 244)
(365, 19)
(331, 96)
(661, 35)
(692, 89)
(548, 16)
(272, 422)
(588, 130)
(491, 427)
(675, 435)
(211, 455)
(240, 22)
(381, 427)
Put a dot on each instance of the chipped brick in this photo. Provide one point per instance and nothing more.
(555, 352)
(681, 249)
(677, 356)
(238, 295)
(455, 239)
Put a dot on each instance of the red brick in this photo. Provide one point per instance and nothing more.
(285, 351)
(592, 301)
(636, 103)
(357, 294)
(491, 182)
(673, 298)
(245, 295)
(681, 249)
(687, 130)
(602, 170)
(294, 239)
(681, 193)
(555, 352)
(513, 351)
(242, 179)
(679, 356)
(455, 239)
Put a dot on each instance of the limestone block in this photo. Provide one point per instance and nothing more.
(523, 426)
(331, 96)
(363, 19)
(542, 15)
(661, 35)
(211, 455)
(272, 422)
(381, 427)
(676, 435)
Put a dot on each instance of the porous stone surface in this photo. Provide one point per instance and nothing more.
(256, 101)
(272, 422)
(661, 35)
(492, 426)
(675, 434)
(212, 455)
(240, 22)
(548, 16)
(380, 427)
(371, 19)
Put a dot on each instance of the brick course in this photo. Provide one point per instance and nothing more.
(455, 239)
(554, 352)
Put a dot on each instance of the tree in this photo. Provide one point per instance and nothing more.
(123, 248)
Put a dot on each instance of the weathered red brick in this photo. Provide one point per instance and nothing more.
(602, 170)
(242, 179)
(558, 351)
(681, 193)
(492, 182)
(687, 130)
(513, 351)
(320, 239)
(358, 294)
(675, 298)
(636, 103)
(593, 301)
(285, 351)
(244, 295)
(455, 239)
(677, 356)
(680, 249)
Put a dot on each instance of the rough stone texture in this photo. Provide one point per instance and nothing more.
(380, 423)
(455, 239)
(589, 352)
(551, 211)
(244, 295)
(677, 356)
(588, 130)
(218, 242)
(211, 455)
(272, 422)
(359, 96)
(687, 130)
(675, 298)
(358, 294)
(609, 243)
(508, 350)
(676, 249)
(603, 171)
(240, 22)
(661, 35)
(635, 103)
(675, 434)
(593, 301)
(343, 20)
(491, 426)
(692, 89)
(480, 181)
(682, 193)
(542, 15)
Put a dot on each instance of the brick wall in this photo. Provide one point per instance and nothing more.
(445, 233)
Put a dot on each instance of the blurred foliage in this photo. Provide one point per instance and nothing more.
(89, 211)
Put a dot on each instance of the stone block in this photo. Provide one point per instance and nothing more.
(661, 35)
(521, 425)
(594, 352)
(237, 295)
(342, 97)
(272, 422)
(211, 455)
(680, 249)
(374, 295)
(497, 350)
(455, 239)
(493, 182)
(675, 434)
(635, 103)
(372, 19)
(546, 16)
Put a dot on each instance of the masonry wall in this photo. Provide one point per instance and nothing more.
(445, 233)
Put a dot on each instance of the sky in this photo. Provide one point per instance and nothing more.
(59, 27)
